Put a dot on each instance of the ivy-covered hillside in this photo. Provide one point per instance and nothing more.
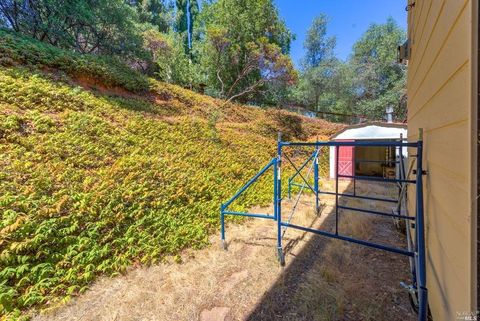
(102, 168)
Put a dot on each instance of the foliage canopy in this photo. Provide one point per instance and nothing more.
(235, 49)
(368, 82)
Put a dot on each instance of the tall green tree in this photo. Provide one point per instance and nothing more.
(379, 79)
(187, 12)
(248, 20)
(320, 67)
(326, 88)
(318, 46)
(245, 73)
(246, 48)
(172, 64)
(87, 26)
(158, 13)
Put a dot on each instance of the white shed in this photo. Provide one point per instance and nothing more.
(368, 160)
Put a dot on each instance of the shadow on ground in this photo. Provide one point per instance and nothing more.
(331, 279)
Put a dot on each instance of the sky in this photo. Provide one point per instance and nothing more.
(349, 19)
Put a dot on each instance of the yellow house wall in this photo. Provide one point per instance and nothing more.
(441, 95)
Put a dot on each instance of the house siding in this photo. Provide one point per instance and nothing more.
(440, 90)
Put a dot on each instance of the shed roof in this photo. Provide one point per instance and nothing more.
(372, 131)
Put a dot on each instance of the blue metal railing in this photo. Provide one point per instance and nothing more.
(224, 206)
(291, 178)
(416, 252)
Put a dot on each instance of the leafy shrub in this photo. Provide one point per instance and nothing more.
(110, 71)
(172, 64)
(290, 125)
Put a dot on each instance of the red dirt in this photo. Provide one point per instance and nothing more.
(90, 83)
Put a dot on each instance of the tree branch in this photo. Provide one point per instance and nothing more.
(247, 90)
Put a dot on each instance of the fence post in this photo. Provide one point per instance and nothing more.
(337, 150)
(275, 178)
(400, 174)
(354, 184)
(289, 188)
(222, 222)
(420, 235)
(315, 177)
(278, 201)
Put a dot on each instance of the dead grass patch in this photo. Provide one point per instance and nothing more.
(324, 279)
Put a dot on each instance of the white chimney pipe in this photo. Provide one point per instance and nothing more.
(389, 111)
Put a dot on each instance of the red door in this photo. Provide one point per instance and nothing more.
(346, 159)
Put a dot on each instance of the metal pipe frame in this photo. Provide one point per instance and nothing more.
(378, 179)
(298, 172)
(302, 185)
(417, 252)
(393, 143)
(224, 206)
(267, 216)
(401, 175)
(371, 198)
(375, 212)
(337, 153)
(363, 197)
(278, 202)
(299, 195)
(374, 161)
(290, 179)
(315, 178)
(420, 236)
(247, 185)
(350, 239)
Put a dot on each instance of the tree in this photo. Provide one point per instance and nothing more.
(248, 20)
(259, 64)
(379, 79)
(171, 62)
(245, 49)
(320, 66)
(338, 96)
(3, 23)
(158, 13)
(187, 11)
(319, 48)
(87, 26)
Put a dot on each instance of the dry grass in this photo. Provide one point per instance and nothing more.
(324, 279)
(347, 286)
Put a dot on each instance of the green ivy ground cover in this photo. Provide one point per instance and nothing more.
(91, 184)
(15, 48)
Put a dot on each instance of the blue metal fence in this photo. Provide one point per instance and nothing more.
(416, 246)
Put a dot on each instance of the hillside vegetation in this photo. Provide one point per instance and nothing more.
(236, 50)
(102, 168)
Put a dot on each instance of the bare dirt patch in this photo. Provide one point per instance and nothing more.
(324, 279)
(90, 83)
